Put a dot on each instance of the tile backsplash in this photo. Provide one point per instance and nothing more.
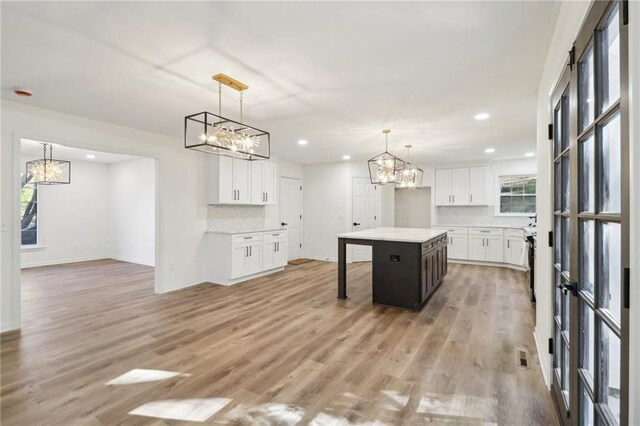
(477, 215)
(225, 218)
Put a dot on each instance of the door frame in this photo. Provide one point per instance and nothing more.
(301, 228)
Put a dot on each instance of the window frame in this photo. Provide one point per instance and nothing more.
(499, 195)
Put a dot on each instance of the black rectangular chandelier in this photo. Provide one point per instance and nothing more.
(49, 171)
(215, 134)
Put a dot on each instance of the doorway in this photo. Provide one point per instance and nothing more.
(365, 214)
(291, 214)
(591, 220)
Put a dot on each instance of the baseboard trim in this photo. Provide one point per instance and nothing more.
(7, 328)
(231, 282)
(63, 262)
(542, 355)
(130, 260)
(479, 263)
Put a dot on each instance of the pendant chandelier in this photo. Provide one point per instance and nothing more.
(47, 171)
(384, 168)
(215, 134)
(410, 176)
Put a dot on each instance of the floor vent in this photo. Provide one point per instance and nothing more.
(522, 359)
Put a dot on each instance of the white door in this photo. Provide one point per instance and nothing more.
(241, 181)
(513, 250)
(494, 249)
(443, 187)
(476, 247)
(457, 247)
(257, 183)
(269, 182)
(364, 214)
(459, 186)
(291, 214)
(477, 183)
(227, 194)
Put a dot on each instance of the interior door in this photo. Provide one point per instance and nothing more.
(591, 247)
(364, 214)
(291, 214)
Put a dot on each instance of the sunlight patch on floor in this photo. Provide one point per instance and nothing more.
(192, 410)
(140, 375)
(324, 419)
(265, 414)
(462, 406)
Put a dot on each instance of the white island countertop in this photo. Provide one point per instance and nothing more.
(408, 235)
(245, 231)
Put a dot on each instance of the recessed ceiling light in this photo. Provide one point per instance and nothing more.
(490, 150)
(481, 116)
(346, 157)
(529, 154)
(91, 156)
(302, 142)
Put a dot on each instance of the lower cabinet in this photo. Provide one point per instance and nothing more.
(485, 244)
(514, 246)
(233, 257)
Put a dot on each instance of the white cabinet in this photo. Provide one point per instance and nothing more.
(246, 255)
(443, 187)
(233, 258)
(477, 186)
(274, 250)
(486, 244)
(229, 180)
(461, 187)
(457, 246)
(263, 183)
(513, 246)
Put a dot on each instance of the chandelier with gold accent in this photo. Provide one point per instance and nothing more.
(410, 176)
(384, 168)
(215, 134)
(49, 171)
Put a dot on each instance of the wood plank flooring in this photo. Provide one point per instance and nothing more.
(276, 350)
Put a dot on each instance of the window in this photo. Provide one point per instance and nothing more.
(28, 211)
(517, 195)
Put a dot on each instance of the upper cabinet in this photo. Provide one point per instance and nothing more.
(263, 183)
(461, 186)
(236, 181)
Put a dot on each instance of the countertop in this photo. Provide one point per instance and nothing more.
(245, 231)
(528, 230)
(409, 235)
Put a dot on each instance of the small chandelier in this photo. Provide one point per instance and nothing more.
(410, 176)
(383, 168)
(215, 134)
(47, 171)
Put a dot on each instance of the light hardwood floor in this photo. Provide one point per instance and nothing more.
(276, 350)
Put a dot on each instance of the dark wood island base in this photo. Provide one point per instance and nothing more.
(405, 274)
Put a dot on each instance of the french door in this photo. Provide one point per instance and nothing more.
(591, 243)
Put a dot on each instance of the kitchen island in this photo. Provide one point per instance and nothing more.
(408, 264)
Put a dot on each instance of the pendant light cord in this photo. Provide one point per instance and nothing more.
(220, 99)
(241, 93)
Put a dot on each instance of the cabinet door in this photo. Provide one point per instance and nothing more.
(476, 247)
(477, 185)
(238, 260)
(459, 187)
(458, 247)
(254, 260)
(494, 249)
(241, 181)
(280, 258)
(443, 187)
(257, 191)
(227, 194)
(269, 182)
(269, 255)
(513, 250)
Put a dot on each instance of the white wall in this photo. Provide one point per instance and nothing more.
(569, 21)
(328, 206)
(181, 211)
(413, 208)
(131, 199)
(73, 222)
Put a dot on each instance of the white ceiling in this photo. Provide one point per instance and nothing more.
(334, 74)
(33, 149)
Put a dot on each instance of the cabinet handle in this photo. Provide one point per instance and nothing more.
(454, 198)
(266, 196)
(483, 242)
(508, 245)
(246, 252)
(487, 242)
(472, 198)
